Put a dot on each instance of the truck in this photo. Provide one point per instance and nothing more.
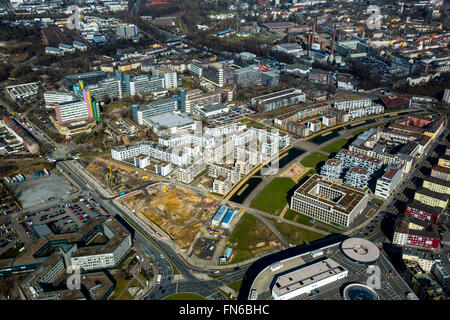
(6, 180)
(158, 279)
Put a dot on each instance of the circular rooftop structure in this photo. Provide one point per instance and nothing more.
(359, 170)
(360, 250)
(358, 291)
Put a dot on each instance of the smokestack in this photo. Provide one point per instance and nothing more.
(314, 30)
(332, 41)
(309, 45)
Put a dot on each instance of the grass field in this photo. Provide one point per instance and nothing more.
(185, 296)
(335, 147)
(236, 286)
(303, 219)
(313, 159)
(296, 235)
(248, 232)
(272, 198)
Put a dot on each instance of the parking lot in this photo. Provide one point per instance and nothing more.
(67, 217)
(9, 238)
(34, 191)
(235, 113)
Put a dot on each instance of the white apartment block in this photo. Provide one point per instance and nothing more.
(352, 104)
(187, 173)
(144, 84)
(171, 155)
(387, 183)
(222, 185)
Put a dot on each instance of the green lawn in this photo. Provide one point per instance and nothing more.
(248, 232)
(303, 219)
(272, 198)
(236, 286)
(296, 235)
(313, 159)
(185, 296)
(335, 147)
(124, 259)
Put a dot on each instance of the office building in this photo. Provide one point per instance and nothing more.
(214, 73)
(109, 88)
(328, 202)
(143, 84)
(279, 99)
(51, 98)
(139, 112)
(212, 110)
(197, 97)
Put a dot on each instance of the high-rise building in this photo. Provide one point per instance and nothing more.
(87, 79)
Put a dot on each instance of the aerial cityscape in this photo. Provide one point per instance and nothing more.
(232, 150)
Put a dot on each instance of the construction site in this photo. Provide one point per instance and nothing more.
(119, 176)
(178, 211)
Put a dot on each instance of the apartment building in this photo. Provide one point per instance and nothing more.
(357, 177)
(154, 150)
(387, 183)
(352, 104)
(189, 172)
(412, 232)
(431, 198)
(439, 172)
(426, 260)
(437, 185)
(422, 211)
(331, 170)
(351, 159)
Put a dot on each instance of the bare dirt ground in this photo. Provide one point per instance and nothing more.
(100, 169)
(178, 211)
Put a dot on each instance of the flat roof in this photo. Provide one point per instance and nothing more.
(349, 199)
(170, 120)
(305, 276)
